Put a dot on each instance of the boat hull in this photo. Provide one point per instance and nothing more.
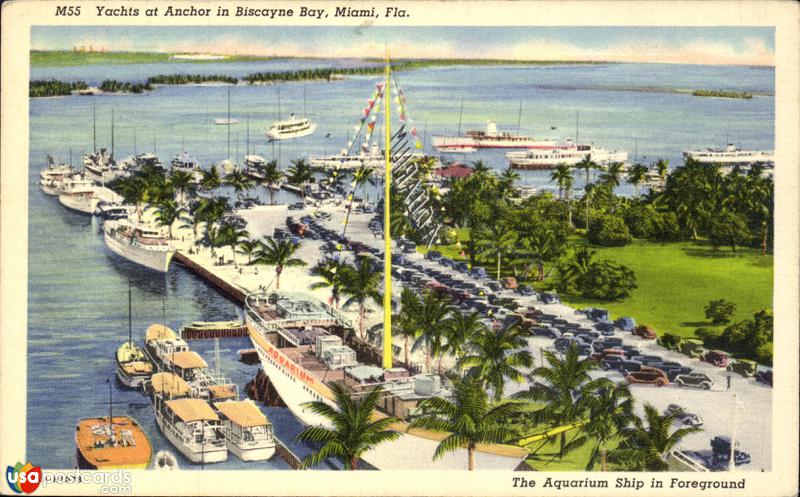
(84, 205)
(52, 189)
(272, 135)
(208, 456)
(85, 464)
(251, 454)
(156, 260)
(130, 381)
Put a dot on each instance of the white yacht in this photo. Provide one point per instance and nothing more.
(51, 179)
(253, 166)
(373, 160)
(491, 138)
(190, 424)
(79, 194)
(101, 167)
(730, 155)
(291, 128)
(188, 164)
(248, 432)
(161, 340)
(140, 244)
(568, 153)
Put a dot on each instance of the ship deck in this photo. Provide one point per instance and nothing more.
(305, 357)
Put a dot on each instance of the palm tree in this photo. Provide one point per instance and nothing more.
(508, 177)
(461, 330)
(330, 273)
(231, 236)
(434, 311)
(211, 179)
(566, 390)
(636, 176)
(167, 212)
(587, 165)
(240, 182)
(299, 174)
(541, 244)
(662, 166)
(468, 417)
(279, 254)
(272, 176)
(610, 411)
(496, 356)
(562, 175)
(497, 240)
(249, 248)
(406, 321)
(181, 181)
(646, 447)
(354, 432)
(613, 174)
(480, 169)
(132, 190)
(360, 285)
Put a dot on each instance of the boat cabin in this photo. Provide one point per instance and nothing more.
(246, 427)
(185, 363)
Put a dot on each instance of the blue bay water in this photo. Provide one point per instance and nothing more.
(78, 290)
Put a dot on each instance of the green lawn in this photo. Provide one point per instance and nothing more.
(676, 281)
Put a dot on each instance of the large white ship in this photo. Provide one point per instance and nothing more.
(293, 127)
(101, 167)
(51, 179)
(79, 194)
(567, 153)
(290, 333)
(490, 138)
(730, 155)
(140, 244)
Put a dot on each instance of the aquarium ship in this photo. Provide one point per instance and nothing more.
(118, 444)
(730, 155)
(138, 243)
(294, 127)
(568, 153)
(490, 138)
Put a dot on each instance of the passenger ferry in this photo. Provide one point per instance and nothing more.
(118, 444)
(190, 424)
(568, 153)
(79, 194)
(51, 179)
(291, 128)
(490, 138)
(140, 244)
(730, 155)
(248, 433)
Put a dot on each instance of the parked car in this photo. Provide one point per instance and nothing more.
(683, 417)
(645, 331)
(606, 328)
(696, 380)
(525, 290)
(721, 449)
(600, 355)
(509, 282)
(717, 358)
(625, 323)
(744, 367)
(674, 372)
(297, 206)
(433, 255)
(649, 376)
(764, 376)
(494, 286)
(446, 261)
(596, 314)
(546, 331)
(462, 267)
(549, 298)
(611, 362)
(691, 347)
(478, 272)
(628, 366)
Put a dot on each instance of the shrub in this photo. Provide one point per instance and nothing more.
(609, 231)
(720, 311)
(641, 220)
(750, 339)
(607, 280)
(666, 228)
(669, 341)
(729, 229)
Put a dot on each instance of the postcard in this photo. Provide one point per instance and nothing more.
(399, 248)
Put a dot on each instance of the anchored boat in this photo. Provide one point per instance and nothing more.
(138, 243)
(248, 433)
(568, 153)
(730, 155)
(79, 194)
(133, 366)
(490, 138)
(51, 179)
(293, 127)
(121, 444)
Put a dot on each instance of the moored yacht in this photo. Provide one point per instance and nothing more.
(293, 127)
(101, 167)
(160, 340)
(491, 138)
(138, 243)
(730, 155)
(119, 444)
(248, 433)
(51, 179)
(188, 164)
(567, 153)
(79, 194)
(253, 166)
(192, 426)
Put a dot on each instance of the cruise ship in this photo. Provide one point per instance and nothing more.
(295, 338)
(293, 127)
(567, 153)
(490, 138)
(137, 243)
(730, 155)
(51, 179)
(79, 194)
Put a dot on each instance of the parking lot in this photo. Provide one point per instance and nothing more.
(744, 412)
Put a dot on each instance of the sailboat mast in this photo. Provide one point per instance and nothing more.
(577, 124)
(519, 117)
(110, 412)
(229, 122)
(248, 134)
(112, 133)
(387, 226)
(94, 128)
(134, 141)
(460, 113)
(130, 318)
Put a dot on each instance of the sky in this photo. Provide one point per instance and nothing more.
(684, 45)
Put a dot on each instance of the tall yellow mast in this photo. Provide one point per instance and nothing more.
(387, 258)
